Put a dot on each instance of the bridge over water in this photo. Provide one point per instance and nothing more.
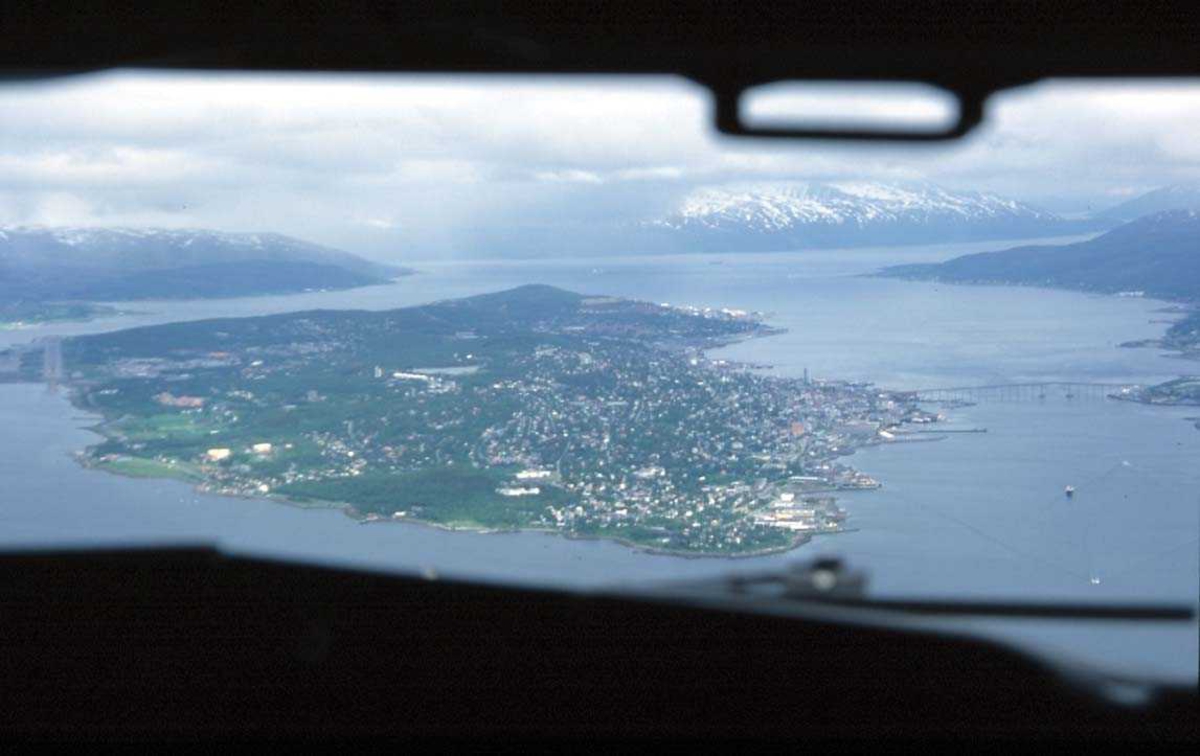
(1021, 392)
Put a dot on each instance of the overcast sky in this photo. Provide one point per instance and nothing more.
(372, 163)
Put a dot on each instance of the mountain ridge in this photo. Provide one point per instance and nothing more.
(48, 263)
(797, 215)
(1157, 255)
(144, 247)
(1174, 197)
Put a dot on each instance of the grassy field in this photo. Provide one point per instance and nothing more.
(458, 498)
(175, 426)
(138, 467)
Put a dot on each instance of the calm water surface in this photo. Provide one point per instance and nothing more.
(974, 514)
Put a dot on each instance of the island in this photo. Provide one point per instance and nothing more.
(1184, 336)
(532, 408)
(19, 313)
(1181, 391)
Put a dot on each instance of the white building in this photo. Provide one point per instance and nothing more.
(519, 491)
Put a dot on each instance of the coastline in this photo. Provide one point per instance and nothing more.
(200, 485)
(797, 542)
(100, 309)
(76, 393)
(93, 312)
(348, 509)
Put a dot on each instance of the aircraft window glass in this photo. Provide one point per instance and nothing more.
(557, 331)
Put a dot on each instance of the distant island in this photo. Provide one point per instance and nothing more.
(17, 314)
(1156, 256)
(53, 273)
(533, 408)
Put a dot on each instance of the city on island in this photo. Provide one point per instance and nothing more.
(534, 408)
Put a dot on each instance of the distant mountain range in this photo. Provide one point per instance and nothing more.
(1178, 197)
(791, 215)
(1158, 255)
(43, 264)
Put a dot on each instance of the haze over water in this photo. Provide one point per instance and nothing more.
(974, 514)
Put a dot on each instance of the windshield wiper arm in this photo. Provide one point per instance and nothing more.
(828, 582)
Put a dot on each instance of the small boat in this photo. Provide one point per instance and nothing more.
(1069, 491)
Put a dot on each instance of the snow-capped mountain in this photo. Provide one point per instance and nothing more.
(39, 263)
(777, 207)
(798, 215)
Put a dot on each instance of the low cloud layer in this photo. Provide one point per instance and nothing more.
(401, 167)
